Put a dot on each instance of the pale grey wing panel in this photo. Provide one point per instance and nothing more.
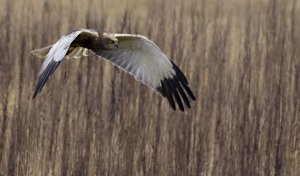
(59, 49)
(53, 59)
(141, 58)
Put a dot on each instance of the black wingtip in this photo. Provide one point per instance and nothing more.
(179, 74)
(169, 94)
(34, 95)
(173, 88)
(43, 77)
(176, 93)
(176, 89)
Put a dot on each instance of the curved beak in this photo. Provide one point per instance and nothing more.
(116, 45)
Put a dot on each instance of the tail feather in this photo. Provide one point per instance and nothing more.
(73, 52)
(41, 52)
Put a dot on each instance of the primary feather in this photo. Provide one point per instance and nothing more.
(134, 54)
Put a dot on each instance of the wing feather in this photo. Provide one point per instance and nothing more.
(53, 59)
(135, 54)
(141, 58)
(86, 52)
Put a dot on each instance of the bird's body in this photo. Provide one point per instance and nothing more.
(134, 54)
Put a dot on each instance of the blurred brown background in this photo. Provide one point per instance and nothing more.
(242, 59)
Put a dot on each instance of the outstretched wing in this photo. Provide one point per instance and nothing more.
(55, 55)
(77, 52)
(141, 58)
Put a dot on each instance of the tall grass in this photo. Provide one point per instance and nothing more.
(242, 59)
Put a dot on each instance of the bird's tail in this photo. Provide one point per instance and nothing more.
(73, 52)
(41, 52)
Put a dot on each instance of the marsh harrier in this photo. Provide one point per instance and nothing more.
(134, 54)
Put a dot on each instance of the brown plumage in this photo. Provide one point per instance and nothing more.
(134, 54)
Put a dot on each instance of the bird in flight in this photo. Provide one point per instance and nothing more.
(135, 54)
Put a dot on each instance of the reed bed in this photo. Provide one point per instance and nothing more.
(242, 59)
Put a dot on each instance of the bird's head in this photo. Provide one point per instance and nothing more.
(109, 40)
